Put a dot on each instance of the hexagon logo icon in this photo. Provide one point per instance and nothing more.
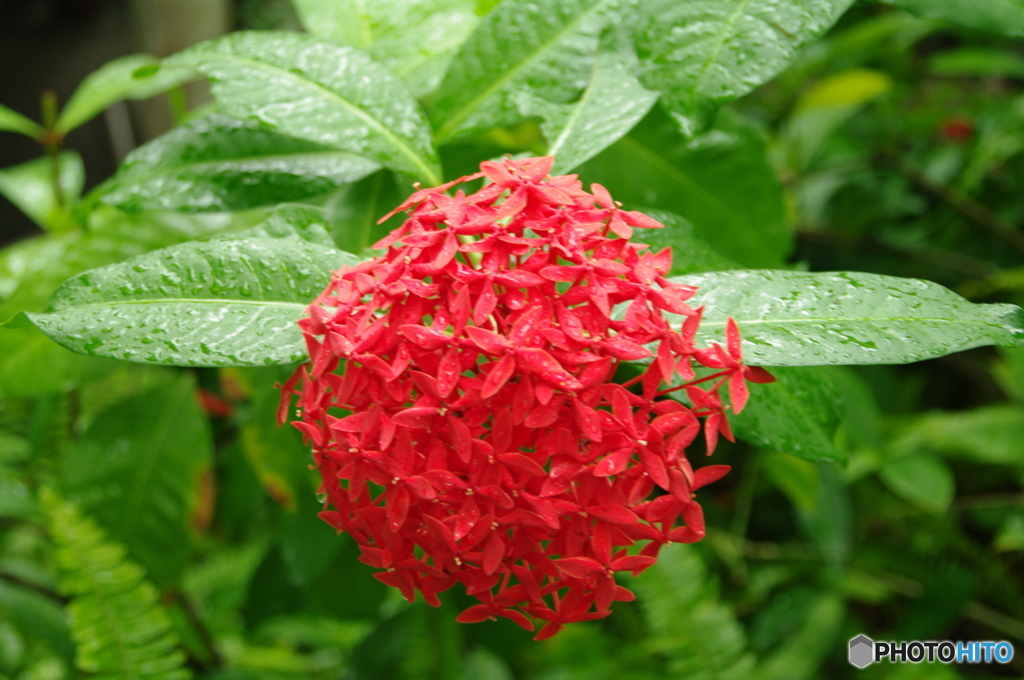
(862, 651)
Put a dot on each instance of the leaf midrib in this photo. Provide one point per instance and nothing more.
(722, 39)
(463, 113)
(190, 301)
(577, 110)
(104, 597)
(407, 151)
(161, 171)
(846, 319)
(146, 463)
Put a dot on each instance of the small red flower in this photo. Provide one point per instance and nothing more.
(957, 129)
(460, 402)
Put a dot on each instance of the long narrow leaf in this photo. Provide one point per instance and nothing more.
(809, 319)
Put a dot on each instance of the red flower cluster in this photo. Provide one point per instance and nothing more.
(461, 407)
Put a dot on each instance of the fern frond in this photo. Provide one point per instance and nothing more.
(120, 630)
(699, 635)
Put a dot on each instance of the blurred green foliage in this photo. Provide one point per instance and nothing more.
(154, 523)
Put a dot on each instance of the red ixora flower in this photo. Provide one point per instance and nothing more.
(460, 402)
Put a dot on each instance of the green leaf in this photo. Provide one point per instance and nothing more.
(1011, 533)
(547, 49)
(977, 61)
(30, 187)
(801, 655)
(221, 163)
(797, 479)
(16, 500)
(416, 39)
(296, 221)
(355, 210)
(14, 448)
(21, 257)
(120, 629)
(701, 54)
(612, 104)
(818, 493)
(678, 598)
(826, 106)
(137, 470)
(989, 434)
(690, 253)
(810, 319)
(24, 350)
(1005, 17)
(319, 91)
(219, 303)
(137, 76)
(798, 414)
(12, 121)
(38, 271)
(1009, 372)
(219, 583)
(113, 237)
(37, 616)
(277, 454)
(921, 479)
(720, 181)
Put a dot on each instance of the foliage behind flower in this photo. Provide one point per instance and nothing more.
(486, 442)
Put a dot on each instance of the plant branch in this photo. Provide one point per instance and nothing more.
(29, 585)
(902, 585)
(52, 140)
(199, 626)
(959, 201)
(936, 257)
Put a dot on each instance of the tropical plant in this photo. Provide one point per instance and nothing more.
(838, 186)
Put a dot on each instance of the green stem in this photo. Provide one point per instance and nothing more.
(52, 140)
(474, 259)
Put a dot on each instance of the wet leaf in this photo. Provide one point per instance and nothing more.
(297, 221)
(701, 54)
(37, 270)
(808, 319)
(137, 76)
(612, 104)
(798, 414)
(547, 49)
(416, 39)
(221, 163)
(216, 303)
(319, 91)
(113, 236)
